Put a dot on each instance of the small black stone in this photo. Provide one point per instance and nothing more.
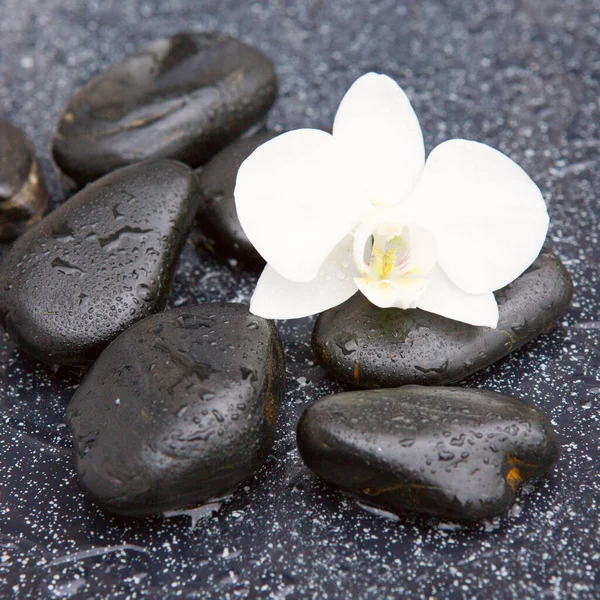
(217, 214)
(183, 97)
(454, 453)
(23, 195)
(371, 347)
(179, 409)
(99, 263)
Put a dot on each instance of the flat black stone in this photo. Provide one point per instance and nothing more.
(178, 410)
(23, 195)
(371, 347)
(454, 453)
(217, 215)
(183, 97)
(99, 263)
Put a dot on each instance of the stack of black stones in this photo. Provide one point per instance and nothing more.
(180, 407)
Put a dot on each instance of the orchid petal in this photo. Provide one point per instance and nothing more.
(444, 298)
(488, 217)
(387, 293)
(296, 199)
(378, 127)
(279, 298)
(423, 251)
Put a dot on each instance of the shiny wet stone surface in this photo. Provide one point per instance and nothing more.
(23, 195)
(99, 263)
(370, 347)
(184, 419)
(183, 97)
(520, 76)
(453, 453)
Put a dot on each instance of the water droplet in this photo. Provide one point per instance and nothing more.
(192, 322)
(66, 268)
(248, 374)
(143, 292)
(444, 453)
(348, 346)
(438, 365)
(113, 241)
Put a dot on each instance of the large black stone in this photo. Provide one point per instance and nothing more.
(217, 214)
(23, 195)
(371, 347)
(450, 452)
(99, 263)
(183, 97)
(179, 409)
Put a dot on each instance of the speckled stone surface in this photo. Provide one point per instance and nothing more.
(521, 75)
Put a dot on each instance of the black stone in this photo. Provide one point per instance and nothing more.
(217, 214)
(371, 347)
(99, 263)
(183, 97)
(178, 410)
(454, 453)
(23, 195)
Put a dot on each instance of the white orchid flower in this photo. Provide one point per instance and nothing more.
(360, 209)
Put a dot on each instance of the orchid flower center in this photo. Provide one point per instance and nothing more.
(393, 256)
(389, 257)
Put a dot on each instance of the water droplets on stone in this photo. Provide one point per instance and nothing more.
(177, 429)
(432, 456)
(90, 280)
(399, 347)
(134, 110)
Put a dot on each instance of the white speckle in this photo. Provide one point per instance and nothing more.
(26, 62)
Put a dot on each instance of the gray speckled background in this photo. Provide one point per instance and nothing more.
(521, 75)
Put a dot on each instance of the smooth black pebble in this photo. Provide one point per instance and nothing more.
(217, 215)
(371, 347)
(454, 453)
(98, 263)
(178, 410)
(183, 97)
(23, 194)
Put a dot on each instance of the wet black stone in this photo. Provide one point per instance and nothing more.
(217, 215)
(454, 453)
(371, 347)
(183, 97)
(23, 195)
(98, 263)
(178, 410)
